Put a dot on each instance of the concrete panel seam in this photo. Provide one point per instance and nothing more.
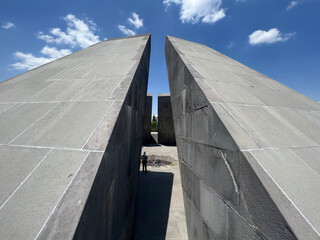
(33, 123)
(44, 147)
(14, 106)
(303, 161)
(204, 182)
(277, 148)
(82, 89)
(43, 89)
(97, 125)
(286, 123)
(26, 178)
(107, 100)
(255, 105)
(94, 68)
(62, 196)
(241, 125)
(284, 193)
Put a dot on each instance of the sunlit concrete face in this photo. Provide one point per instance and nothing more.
(70, 141)
(249, 148)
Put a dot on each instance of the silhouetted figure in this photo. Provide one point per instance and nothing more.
(144, 159)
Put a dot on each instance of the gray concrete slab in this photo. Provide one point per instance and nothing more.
(21, 117)
(259, 140)
(68, 125)
(20, 161)
(265, 128)
(60, 90)
(34, 201)
(5, 107)
(70, 131)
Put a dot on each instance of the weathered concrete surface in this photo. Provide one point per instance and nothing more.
(70, 141)
(165, 122)
(248, 147)
(160, 206)
(147, 138)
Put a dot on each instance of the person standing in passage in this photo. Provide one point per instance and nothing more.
(144, 159)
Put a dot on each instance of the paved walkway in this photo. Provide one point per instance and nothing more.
(160, 207)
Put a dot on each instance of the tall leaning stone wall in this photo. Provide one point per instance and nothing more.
(109, 211)
(71, 137)
(246, 147)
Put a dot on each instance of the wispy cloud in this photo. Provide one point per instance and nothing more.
(135, 20)
(78, 34)
(28, 61)
(8, 25)
(230, 45)
(54, 53)
(191, 11)
(168, 3)
(291, 5)
(126, 31)
(259, 37)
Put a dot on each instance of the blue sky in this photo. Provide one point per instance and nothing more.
(279, 38)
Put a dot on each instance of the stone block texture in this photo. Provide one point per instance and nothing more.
(166, 133)
(147, 138)
(70, 141)
(248, 147)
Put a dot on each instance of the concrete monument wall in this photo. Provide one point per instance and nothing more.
(166, 134)
(248, 146)
(71, 134)
(147, 138)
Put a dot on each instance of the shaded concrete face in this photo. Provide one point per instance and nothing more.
(165, 122)
(248, 148)
(71, 135)
(147, 138)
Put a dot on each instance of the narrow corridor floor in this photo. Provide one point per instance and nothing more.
(160, 208)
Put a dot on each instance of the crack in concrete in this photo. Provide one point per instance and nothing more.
(231, 173)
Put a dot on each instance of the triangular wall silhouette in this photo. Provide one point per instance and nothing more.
(248, 148)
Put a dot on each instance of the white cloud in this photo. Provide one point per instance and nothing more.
(29, 61)
(78, 33)
(267, 37)
(168, 3)
(54, 53)
(135, 20)
(207, 11)
(212, 18)
(291, 5)
(8, 25)
(126, 31)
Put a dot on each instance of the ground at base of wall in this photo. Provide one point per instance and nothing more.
(160, 210)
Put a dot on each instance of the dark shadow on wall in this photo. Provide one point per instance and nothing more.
(153, 204)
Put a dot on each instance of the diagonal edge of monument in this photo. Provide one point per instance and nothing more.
(111, 39)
